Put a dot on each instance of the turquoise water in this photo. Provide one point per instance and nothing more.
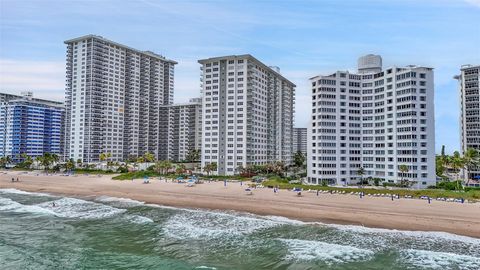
(115, 233)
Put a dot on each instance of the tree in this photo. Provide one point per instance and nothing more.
(471, 160)
(210, 167)
(180, 169)
(79, 162)
(46, 160)
(4, 161)
(361, 173)
(403, 169)
(69, 165)
(193, 155)
(105, 156)
(299, 159)
(162, 166)
(27, 161)
(457, 162)
(149, 157)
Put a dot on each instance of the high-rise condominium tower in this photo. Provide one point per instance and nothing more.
(378, 120)
(181, 130)
(113, 99)
(469, 80)
(247, 113)
(300, 140)
(30, 126)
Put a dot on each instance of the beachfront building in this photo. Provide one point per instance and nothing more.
(180, 130)
(374, 119)
(469, 80)
(113, 98)
(300, 140)
(30, 126)
(247, 113)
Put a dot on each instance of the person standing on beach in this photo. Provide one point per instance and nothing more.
(318, 192)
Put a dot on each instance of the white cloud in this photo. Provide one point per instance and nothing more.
(45, 78)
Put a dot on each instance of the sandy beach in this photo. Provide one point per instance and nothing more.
(402, 214)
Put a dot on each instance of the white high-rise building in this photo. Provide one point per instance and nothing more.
(181, 130)
(300, 140)
(469, 81)
(247, 113)
(378, 120)
(113, 99)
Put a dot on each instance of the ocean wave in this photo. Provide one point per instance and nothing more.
(9, 205)
(139, 219)
(123, 202)
(213, 224)
(21, 192)
(425, 259)
(306, 250)
(434, 235)
(76, 208)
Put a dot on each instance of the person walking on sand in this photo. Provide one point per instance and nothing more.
(318, 192)
(17, 179)
(13, 179)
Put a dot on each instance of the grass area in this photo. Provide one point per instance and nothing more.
(135, 175)
(92, 171)
(433, 193)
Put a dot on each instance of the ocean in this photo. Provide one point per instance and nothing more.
(117, 233)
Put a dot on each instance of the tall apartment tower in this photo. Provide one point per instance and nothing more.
(247, 113)
(180, 130)
(113, 99)
(375, 119)
(469, 81)
(300, 140)
(30, 126)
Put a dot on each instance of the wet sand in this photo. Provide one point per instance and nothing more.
(402, 214)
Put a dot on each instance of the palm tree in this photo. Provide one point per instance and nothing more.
(162, 166)
(210, 167)
(403, 169)
(149, 157)
(180, 169)
(4, 161)
(361, 172)
(69, 165)
(79, 162)
(471, 159)
(46, 160)
(27, 161)
(104, 156)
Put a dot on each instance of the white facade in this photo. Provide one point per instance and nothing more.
(180, 130)
(300, 140)
(113, 99)
(469, 81)
(247, 113)
(377, 120)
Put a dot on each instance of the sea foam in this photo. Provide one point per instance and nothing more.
(424, 259)
(121, 202)
(76, 208)
(21, 192)
(213, 224)
(305, 250)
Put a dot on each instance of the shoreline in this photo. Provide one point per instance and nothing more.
(371, 212)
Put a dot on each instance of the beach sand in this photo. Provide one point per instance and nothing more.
(402, 214)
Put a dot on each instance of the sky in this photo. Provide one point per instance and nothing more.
(303, 38)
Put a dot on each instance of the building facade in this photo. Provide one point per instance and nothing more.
(180, 130)
(470, 111)
(247, 113)
(30, 126)
(300, 140)
(114, 95)
(375, 119)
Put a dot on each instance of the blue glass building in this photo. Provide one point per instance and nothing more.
(30, 126)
